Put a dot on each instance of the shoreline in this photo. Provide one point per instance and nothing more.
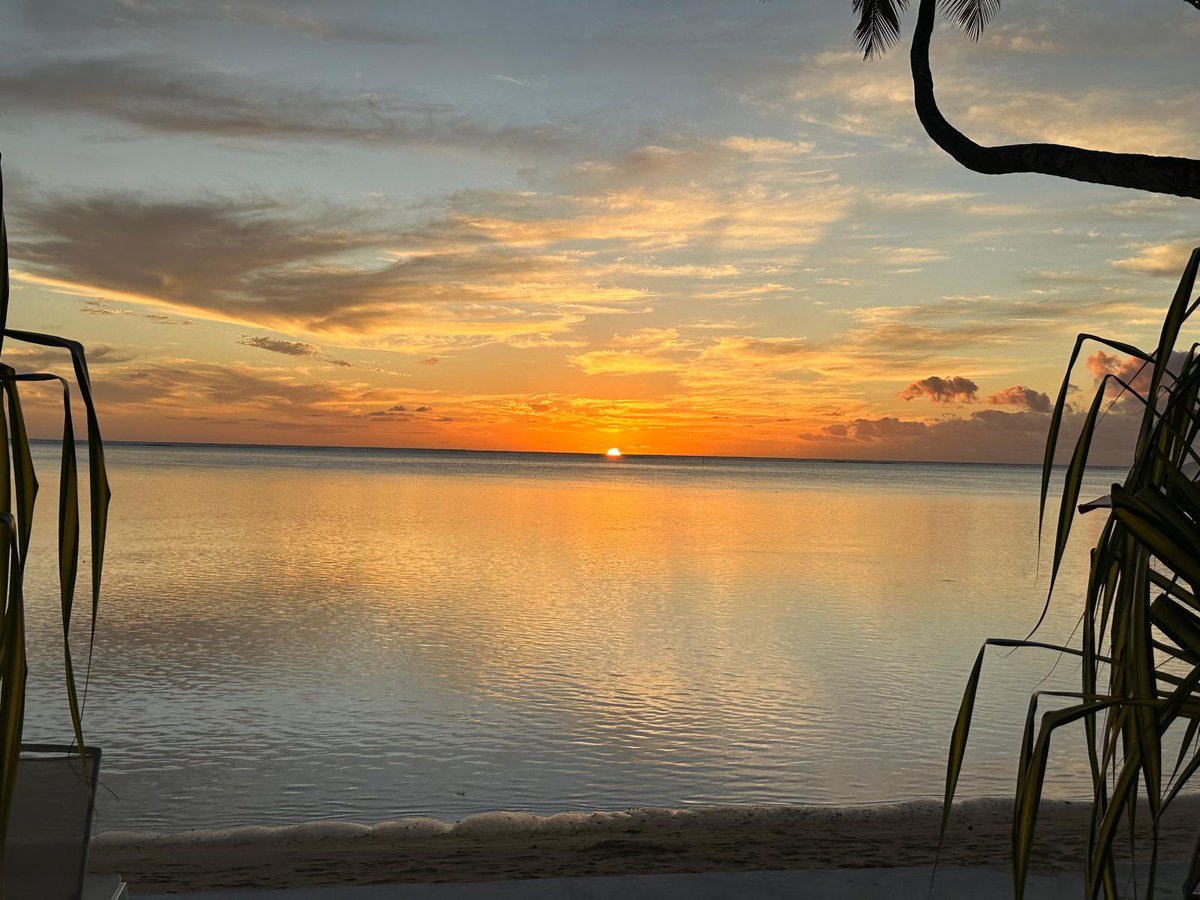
(508, 846)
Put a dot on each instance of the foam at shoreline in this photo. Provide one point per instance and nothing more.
(506, 824)
(504, 845)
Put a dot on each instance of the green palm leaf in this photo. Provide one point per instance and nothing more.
(18, 501)
(1142, 605)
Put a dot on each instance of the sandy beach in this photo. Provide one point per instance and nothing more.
(504, 846)
(896, 883)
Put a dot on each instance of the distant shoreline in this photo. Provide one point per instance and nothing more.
(630, 455)
(503, 846)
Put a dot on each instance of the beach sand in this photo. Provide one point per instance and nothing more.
(903, 883)
(504, 846)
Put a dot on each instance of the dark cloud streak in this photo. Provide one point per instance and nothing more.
(289, 268)
(164, 95)
(287, 348)
(298, 349)
(953, 389)
(987, 435)
(74, 16)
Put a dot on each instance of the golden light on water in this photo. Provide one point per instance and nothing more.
(613, 453)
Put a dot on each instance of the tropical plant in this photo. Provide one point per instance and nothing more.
(1140, 629)
(18, 494)
(878, 29)
(1140, 645)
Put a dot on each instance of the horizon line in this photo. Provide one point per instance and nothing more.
(598, 453)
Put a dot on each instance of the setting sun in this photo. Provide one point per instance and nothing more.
(613, 452)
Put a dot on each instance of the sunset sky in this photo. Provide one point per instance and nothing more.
(702, 227)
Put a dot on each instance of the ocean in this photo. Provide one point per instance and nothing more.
(291, 634)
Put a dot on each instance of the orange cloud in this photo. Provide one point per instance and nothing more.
(1163, 260)
(1026, 398)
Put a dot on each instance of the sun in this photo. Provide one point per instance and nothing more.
(613, 453)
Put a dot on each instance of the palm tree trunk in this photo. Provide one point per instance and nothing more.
(1160, 174)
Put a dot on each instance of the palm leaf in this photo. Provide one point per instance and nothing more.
(18, 500)
(971, 15)
(12, 675)
(1060, 408)
(1141, 605)
(878, 27)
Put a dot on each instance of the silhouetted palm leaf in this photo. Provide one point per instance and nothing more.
(878, 26)
(18, 498)
(971, 15)
(1141, 604)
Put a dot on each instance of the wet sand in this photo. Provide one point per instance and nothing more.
(504, 846)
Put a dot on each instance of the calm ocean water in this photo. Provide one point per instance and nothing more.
(294, 634)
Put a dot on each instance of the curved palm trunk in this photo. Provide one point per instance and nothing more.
(1160, 174)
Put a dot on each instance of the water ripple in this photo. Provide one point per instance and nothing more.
(290, 635)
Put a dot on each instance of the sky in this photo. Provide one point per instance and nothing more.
(700, 227)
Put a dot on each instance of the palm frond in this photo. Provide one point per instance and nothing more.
(18, 499)
(878, 27)
(1141, 604)
(971, 16)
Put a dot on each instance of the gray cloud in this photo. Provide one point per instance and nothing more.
(297, 268)
(96, 308)
(954, 389)
(75, 16)
(294, 348)
(47, 359)
(177, 250)
(988, 435)
(164, 319)
(400, 413)
(165, 95)
(207, 254)
(287, 348)
(190, 389)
